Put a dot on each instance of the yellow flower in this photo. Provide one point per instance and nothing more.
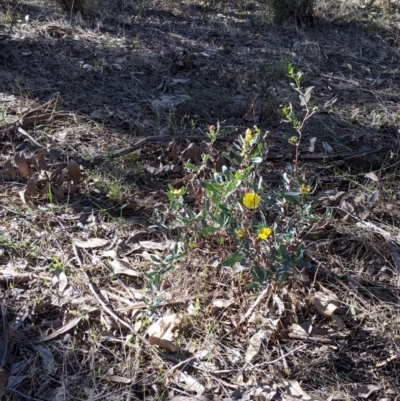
(251, 200)
(264, 233)
(245, 146)
(176, 192)
(305, 189)
(249, 135)
(239, 233)
(192, 244)
(212, 128)
(293, 140)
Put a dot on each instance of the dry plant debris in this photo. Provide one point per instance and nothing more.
(101, 109)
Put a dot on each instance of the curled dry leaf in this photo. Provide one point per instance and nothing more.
(326, 302)
(121, 266)
(255, 344)
(90, 243)
(74, 171)
(164, 332)
(22, 165)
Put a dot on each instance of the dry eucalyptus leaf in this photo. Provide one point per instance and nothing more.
(22, 165)
(222, 303)
(70, 325)
(164, 332)
(121, 266)
(311, 148)
(90, 243)
(328, 148)
(74, 171)
(365, 391)
(292, 389)
(255, 344)
(372, 176)
(157, 245)
(60, 278)
(190, 383)
(326, 302)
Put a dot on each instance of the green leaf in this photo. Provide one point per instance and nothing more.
(209, 230)
(269, 200)
(292, 197)
(192, 167)
(256, 160)
(233, 259)
(155, 259)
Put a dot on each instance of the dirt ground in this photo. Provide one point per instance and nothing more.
(90, 87)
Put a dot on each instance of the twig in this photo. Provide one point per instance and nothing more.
(33, 140)
(252, 307)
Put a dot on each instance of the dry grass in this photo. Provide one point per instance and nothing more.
(105, 70)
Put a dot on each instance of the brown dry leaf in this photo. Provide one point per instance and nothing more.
(90, 243)
(74, 171)
(174, 152)
(192, 152)
(41, 160)
(31, 186)
(121, 266)
(255, 344)
(253, 113)
(22, 165)
(164, 332)
(326, 302)
(9, 169)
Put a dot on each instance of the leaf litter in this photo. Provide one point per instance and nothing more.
(52, 266)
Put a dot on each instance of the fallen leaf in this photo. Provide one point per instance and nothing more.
(60, 278)
(164, 332)
(222, 303)
(372, 176)
(255, 344)
(22, 165)
(365, 391)
(328, 148)
(9, 169)
(70, 325)
(74, 171)
(157, 245)
(312, 144)
(191, 384)
(121, 266)
(90, 243)
(326, 302)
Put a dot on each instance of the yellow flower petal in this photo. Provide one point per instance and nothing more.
(251, 200)
(264, 233)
